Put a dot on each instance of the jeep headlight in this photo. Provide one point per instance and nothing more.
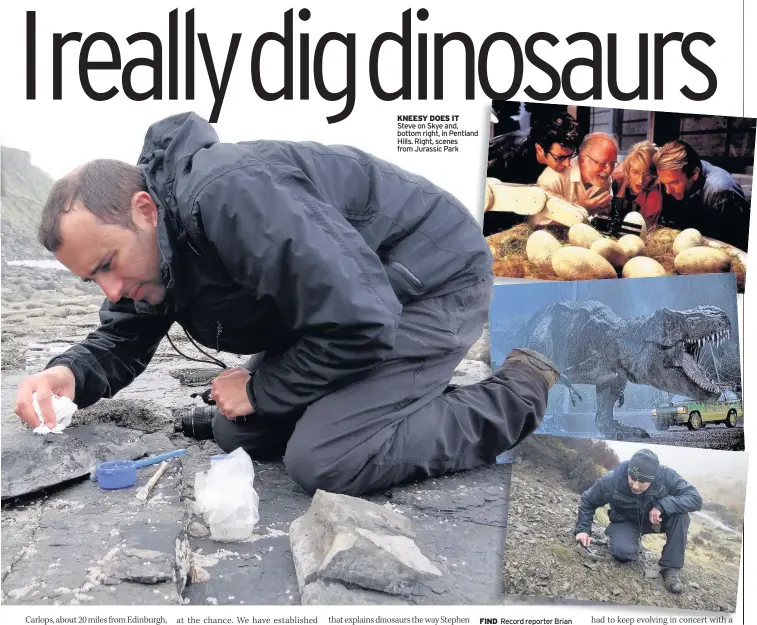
(682, 410)
(654, 412)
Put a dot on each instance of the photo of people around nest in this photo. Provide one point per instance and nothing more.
(653, 360)
(584, 193)
(594, 522)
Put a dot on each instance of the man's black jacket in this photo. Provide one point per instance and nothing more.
(304, 251)
(669, 493)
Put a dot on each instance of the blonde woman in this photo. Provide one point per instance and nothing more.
(635, 186)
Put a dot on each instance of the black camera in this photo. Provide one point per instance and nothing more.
(614, 226)
(195, 422)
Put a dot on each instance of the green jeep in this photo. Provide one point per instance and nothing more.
(695, 415)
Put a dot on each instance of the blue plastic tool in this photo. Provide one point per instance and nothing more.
(123, 473)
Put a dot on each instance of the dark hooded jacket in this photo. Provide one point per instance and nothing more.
(668, 492)
(305, 251)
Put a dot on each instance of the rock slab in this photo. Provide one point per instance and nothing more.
(353, 541)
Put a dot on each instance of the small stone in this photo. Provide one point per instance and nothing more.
(198, 530)
(616, 591)
(694, 585)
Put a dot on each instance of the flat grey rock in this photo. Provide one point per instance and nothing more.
(391, 564)
(82, 545)
(356, 542)
(145, 566)
(33, 462)
(323, 592)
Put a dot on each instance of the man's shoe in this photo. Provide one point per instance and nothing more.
(544, 365)
(672, 580)
(195, 422)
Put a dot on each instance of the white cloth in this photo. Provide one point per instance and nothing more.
(64, 409)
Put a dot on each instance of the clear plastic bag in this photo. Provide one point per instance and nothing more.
(226, 498)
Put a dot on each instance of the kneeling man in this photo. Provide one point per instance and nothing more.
(644, 498)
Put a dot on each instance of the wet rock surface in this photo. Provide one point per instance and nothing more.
(32, 462)
(77, 544)
(83, 545)
(461, 533)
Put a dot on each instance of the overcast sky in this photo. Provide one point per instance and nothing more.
(689, 461)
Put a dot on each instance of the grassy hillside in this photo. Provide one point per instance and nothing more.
(24, 190)
(542, 558)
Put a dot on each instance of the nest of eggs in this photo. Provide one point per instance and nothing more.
(511, 259)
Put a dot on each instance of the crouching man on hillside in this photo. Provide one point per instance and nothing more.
(644, 498)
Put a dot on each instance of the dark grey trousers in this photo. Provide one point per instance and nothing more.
(398, 423)
(625, 537)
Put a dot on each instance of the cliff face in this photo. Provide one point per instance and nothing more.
(24, 190)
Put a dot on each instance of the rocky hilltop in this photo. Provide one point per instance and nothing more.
(24, 190)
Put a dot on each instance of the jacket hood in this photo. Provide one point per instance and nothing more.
(167, 152)
(170, 145)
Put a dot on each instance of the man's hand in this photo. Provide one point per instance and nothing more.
(595, 202)
(584, 539)
(655, 516)
(58, 381)
(229, 391)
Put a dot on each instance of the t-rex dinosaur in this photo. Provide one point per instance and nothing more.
(590, 344)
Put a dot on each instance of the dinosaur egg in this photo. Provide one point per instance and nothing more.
(540, 247)
(632, 245)
(637, 219)
(686, 239)
(489, 198)
(610, 251)
(578, 263)
(583, 235)
(702, 260)
(643, 267)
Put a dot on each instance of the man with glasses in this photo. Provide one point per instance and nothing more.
(550, 144)
(645, 498)
(587, 182)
